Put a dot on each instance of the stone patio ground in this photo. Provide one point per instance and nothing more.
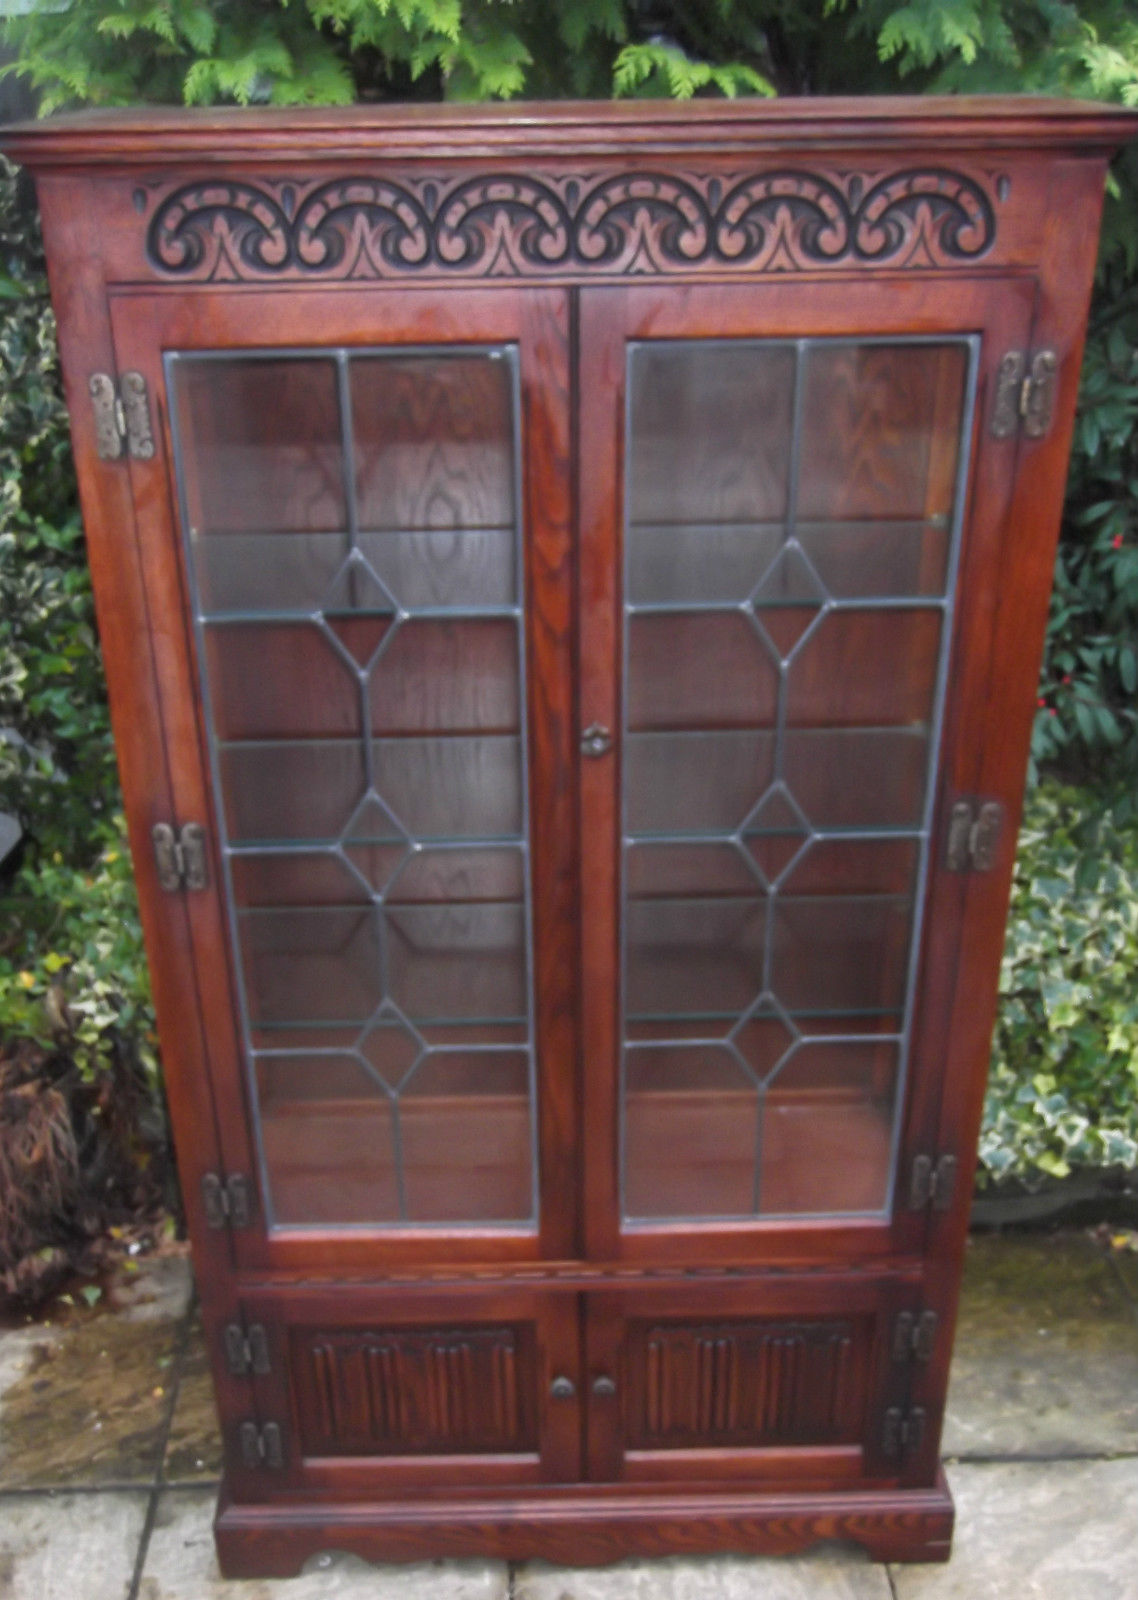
(109, 1459)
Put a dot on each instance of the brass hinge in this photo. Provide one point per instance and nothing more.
(262, 1447)
(246, 1351)
(1025, 394)
(914, 1335)
(974, 828)
(904, 1431)
(180, 857)
(932, 1184)
(227, 1204)
(122, 416)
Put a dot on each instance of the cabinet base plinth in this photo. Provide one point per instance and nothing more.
(576, 1528)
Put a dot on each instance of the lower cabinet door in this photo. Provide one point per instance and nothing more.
(785, 1379)
(401, 1390)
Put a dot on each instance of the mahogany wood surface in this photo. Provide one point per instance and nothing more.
(165, 136)
(575, 1529)
(578, 1388)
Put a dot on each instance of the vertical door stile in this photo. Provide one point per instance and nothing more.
(547, 495)
(600, 498)
(137, 346)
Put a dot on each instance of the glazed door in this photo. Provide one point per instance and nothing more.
(776, 667)
(370, 531)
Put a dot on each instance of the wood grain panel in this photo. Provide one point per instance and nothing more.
(261, 444)
(877, 419)
(414, 1391)
(747, 1383)
(711, 427)
(433, 441)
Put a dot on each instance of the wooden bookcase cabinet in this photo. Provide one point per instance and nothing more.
(572, 582)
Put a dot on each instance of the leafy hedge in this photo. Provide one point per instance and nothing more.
(1063, 1090)
(1087, 721)
(72, 973)
(81, 1107)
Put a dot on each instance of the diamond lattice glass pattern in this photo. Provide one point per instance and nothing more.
(351, 526)
(792, 517)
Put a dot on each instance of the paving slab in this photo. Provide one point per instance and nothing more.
(181, 1565)
(193, 1448)
(820, 1575)
(54, 1546)
(1046, 1356)
(1064, 1530)
(83, 1398)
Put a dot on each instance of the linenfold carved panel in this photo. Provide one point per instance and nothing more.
(510, 225)
(414, 1391)
(746, 1383)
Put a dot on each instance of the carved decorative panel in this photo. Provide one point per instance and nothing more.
(788, 219)
(414, 1391)
(745, 1383)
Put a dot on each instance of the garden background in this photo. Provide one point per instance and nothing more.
(83, 1149)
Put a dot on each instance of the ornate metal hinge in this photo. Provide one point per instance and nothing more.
(180, 857)
(262, 1447)
(974, 828)
(931, 1184)
(914, 1335)
(122, 416)
(904, 1431)
(246, 1351)
(1025, 394)
(227, 1204)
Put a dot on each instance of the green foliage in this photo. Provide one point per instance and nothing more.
(72, 969)
(56, 761)
(665, 70)
(1063, 1090)
(335, 51)
(1086, 724)
(72, 973)
(1005, 46)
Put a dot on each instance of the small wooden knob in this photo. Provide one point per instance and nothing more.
(596, 740)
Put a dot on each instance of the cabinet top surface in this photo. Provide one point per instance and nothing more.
(163, 136)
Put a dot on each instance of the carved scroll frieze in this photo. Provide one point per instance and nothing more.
(509, 225)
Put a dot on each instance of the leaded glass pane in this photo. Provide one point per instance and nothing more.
(792, 519)
(352, 536)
